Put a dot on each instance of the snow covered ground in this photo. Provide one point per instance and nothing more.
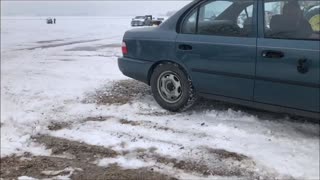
(66, 75)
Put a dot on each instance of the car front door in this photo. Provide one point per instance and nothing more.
(217, 43)
(288, 55)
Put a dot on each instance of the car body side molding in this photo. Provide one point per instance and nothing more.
(297, 83)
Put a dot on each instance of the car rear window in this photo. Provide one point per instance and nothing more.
(221, 18)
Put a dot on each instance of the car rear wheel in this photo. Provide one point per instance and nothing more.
(171, 87)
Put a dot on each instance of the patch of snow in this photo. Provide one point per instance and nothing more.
(123, 162)
(56, 174)
(26, 178)
(37, 85)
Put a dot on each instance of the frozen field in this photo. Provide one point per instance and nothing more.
(68, 112)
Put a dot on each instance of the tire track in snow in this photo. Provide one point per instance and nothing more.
(61, 44)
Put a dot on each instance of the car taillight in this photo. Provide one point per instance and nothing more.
(124, 48)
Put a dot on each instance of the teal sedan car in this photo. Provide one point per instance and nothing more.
(259, 53)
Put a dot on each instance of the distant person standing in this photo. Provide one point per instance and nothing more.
(54, 20)
(148, 22)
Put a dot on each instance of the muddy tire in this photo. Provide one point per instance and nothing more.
(172, 88)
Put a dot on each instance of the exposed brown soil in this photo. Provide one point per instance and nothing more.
(132, 123)
(150, 124)
(239, 165)
(98, 118)
(81, 158)
(121, 92)
(81, 151)
(222, 154)
(183, 165)
(54, 126)
(14, 167)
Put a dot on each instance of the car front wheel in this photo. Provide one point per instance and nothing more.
(171, 87)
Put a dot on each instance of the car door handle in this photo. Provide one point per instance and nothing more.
(185, 47)
(272, 54)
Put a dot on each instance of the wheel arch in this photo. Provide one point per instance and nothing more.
(181, 66)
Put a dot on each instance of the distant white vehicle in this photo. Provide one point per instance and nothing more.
(147, 20)
(138, 21)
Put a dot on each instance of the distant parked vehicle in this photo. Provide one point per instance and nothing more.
(264, 60)
(138, 21)
(146, 20)
(157, 21)
(49, 21)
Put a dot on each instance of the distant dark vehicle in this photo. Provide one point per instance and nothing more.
(158, 21)
(262, 59)
(154, 21)
(146, 20)
(49, 21)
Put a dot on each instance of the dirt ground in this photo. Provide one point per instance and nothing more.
(37, 167)
(121, 92)
(72, 159)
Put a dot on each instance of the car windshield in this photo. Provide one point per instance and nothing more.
(139, 17)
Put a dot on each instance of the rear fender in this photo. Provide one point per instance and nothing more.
(181, 65)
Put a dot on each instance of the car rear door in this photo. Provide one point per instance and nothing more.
(287, 70)
(217, 43)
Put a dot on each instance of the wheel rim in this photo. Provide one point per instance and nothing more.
(169, 87)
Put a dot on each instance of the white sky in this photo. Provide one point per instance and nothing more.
(88, 8)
